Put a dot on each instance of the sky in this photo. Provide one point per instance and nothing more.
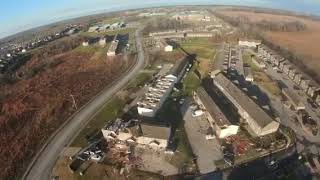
(20, 15)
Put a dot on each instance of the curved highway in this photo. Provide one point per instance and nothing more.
(41, 166)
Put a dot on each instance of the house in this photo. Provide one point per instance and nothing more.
(297, 78)
(286, 69)
(294, 99)
(292, 73)
(304, 84)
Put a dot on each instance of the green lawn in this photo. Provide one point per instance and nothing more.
(203, 47)
(109, 112)
(140, 80)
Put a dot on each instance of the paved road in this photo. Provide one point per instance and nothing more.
(40, 169)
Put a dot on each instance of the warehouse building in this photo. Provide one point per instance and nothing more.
(156, 96)
(294, 99)
(161, 89)
(222, 126)
(259, 122)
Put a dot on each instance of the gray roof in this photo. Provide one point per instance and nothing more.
(159, 132)
(241, 100)
(178, 66)
(215, 112)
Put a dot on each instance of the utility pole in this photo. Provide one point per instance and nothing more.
(74, 102)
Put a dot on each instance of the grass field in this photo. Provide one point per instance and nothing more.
(191, 82)
(140, 79)
(205, 50)
(304, 43)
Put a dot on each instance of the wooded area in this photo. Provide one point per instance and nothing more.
(34, 106)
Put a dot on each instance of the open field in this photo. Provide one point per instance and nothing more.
(205, 50)
(303, 43)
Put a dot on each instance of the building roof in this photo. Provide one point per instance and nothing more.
(241, 100)
(215, 112)
(159, 132)
(178, 66)
(154, 94)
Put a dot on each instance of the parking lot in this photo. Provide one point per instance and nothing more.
(206, 151)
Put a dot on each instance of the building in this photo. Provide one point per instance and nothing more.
(156, 96)
(294, 99)
(249, 43)
(282, 64)
(248, 74)
(156, 137)
(161, 89)
(286, 68)
(259, 123)
(85, 43)
(313, 89)
(113, 47)
(222, 126)
(304, 84)
(168, 48)
(102, 42)
(297, 78)
(199, 34)
(292, 73)
(318, 99)
(258, 62)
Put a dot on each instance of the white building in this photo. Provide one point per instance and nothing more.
(249, 43)
(168, 48)
(248, 74)
(259, 123)
(222, 126)
(85, 43)
(102, 42)
(156, 95)
(113, 47)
